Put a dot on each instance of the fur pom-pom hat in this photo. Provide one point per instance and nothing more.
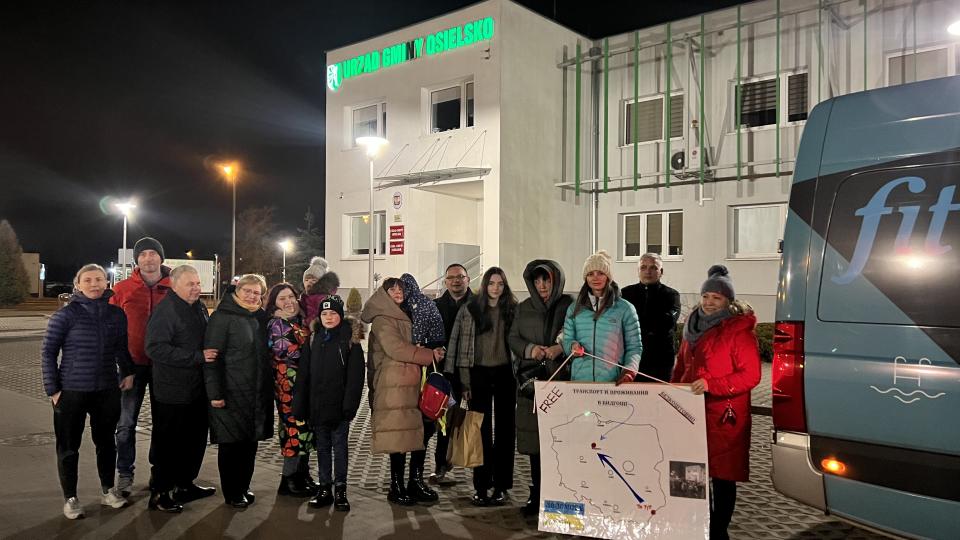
(718, 281)
(318, 267)
(599, 261)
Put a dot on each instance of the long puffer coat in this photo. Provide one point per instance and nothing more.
(241, 374)
(536, 323)
(728, 358)
(614, 336)
(393, 376)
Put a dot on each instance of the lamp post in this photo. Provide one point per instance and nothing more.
(285, 246)
(231, 171)
(372, 145)
(125, 208)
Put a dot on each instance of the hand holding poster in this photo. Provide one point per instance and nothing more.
(626, 461)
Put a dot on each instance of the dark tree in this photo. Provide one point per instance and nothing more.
(14, 281)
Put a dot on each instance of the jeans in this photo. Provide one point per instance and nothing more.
(332, 438)
(69, 418)
(130, 403)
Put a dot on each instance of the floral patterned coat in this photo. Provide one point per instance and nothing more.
(288, 340)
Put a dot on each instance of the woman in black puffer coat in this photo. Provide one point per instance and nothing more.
(537, 353)
(239, 385)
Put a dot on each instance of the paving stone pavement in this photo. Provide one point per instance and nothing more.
(761, 512)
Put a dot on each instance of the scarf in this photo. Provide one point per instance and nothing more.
(699, 322)
(252, 308)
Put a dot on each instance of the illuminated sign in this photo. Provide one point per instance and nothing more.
(430, 45)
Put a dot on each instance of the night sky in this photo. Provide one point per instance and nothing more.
(139, 99)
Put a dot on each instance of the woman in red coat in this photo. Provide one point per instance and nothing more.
(719, 357)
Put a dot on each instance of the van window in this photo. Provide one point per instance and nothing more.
(898, 229)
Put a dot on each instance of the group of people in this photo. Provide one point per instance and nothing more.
(298, 353)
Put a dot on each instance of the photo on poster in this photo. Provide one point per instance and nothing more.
(688, 480)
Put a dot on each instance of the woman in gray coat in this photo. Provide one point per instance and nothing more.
(239, 385)
(537, 353)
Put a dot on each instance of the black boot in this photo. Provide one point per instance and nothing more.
(293, 486)
(532, 507)
(161, 500)
(398, 494)
(323, 499)
(419, 491)
(340, 501)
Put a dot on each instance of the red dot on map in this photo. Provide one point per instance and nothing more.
(653, 512)
(593, 445)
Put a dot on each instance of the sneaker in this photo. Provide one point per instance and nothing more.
(125, 485)
(72, 509)
(113, 498)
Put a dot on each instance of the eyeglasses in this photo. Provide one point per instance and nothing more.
(456, 278)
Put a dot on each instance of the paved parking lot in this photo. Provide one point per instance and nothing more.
(761, 512)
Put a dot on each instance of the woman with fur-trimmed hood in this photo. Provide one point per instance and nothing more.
(328, 395)
(319, 283)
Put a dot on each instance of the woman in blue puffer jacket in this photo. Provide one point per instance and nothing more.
(603, 324)
(86, 364)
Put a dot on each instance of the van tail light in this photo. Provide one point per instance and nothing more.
(788, 401)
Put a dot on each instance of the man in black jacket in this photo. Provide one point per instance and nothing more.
(658, 308)
(458, 293)
(174, 341)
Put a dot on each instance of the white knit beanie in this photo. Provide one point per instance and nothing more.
(599, 261)
(318, 267)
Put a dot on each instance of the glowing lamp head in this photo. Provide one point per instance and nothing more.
(285, 245)
(126, 208)
(372, 145)
(954, 28)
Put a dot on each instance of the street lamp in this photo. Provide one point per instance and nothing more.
(125, 208)
(285, 246)
(372, 145)
(230, 172)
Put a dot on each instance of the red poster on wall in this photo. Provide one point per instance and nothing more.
(396, 247)
(396, 232)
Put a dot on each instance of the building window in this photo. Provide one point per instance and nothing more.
(758, 100)
(923, 65)
(451, 107)
(655, 232)
(650, 118)
(357, 228)
(369, 121)
(756, 230)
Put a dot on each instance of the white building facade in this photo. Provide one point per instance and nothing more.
(484, 110)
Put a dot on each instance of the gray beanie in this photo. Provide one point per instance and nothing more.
(318, 267)
(718, 281)
(146, 243)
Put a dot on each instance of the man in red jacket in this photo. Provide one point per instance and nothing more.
(138, 296)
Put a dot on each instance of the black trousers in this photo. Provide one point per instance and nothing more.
(494, 392)
(535, 477)
(723, 500)
(177, 445)
(69, 418)
(398, 460)
(236, 461)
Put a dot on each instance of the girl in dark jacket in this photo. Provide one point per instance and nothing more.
(328, 395)
(288, 339)
(537, 353)
(239, 385)
(719, 358)
(90, 338)
(478, 342)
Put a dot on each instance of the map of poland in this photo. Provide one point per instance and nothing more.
(597, 471)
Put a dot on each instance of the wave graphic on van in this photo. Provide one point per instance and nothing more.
(907, 395)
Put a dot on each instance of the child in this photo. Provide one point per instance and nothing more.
(328, 395)
(319, 283)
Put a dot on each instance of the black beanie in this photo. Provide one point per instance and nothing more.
(718, 281)
(144, 244)
(334, 303)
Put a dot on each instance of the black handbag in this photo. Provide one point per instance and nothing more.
(526, 378)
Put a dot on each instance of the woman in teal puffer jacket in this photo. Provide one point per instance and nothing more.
(603, 324)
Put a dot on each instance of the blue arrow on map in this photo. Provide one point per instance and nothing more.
(605, 459)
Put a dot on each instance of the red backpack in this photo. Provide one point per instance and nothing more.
(434, 395)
